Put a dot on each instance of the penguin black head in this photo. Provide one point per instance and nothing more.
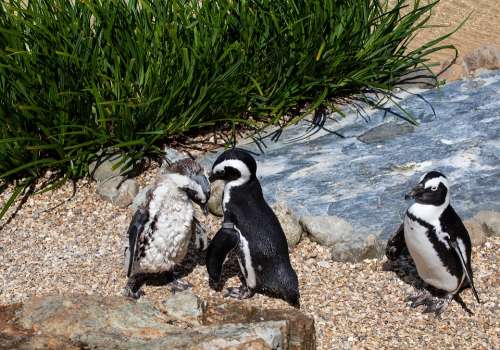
(234, 165)
(432, 189)
(195, 184)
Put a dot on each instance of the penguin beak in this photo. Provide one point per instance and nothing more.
(216, 176)
(204, 183)
(415, 192)
(212, 178)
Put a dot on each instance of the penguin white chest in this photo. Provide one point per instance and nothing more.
(429, 265)
(170, 235)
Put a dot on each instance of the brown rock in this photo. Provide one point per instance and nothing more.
(215, 201)
(82, 321)
(484, 57)
(476, 232)
(302, 333)
(454, 72)
(289, 222)
(490, 222)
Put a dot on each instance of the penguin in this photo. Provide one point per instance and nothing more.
(252, 229)
(437, 241)
(162, 227)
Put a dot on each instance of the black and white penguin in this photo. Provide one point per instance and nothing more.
(253, 230)
(163, 225)
(437, 241)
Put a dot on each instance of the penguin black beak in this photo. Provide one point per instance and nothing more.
(215, 176)
(415, 192)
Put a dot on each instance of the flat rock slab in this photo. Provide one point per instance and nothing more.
(97, 322)
(364, 182)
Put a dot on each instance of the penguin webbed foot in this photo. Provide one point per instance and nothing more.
(240, 293)
(127, 292)
(178, 285)
(438, 305)
(133, 288)
(422, 297)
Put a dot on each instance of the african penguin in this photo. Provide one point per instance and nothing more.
(162, 227)
(253, 230)
(437, 241)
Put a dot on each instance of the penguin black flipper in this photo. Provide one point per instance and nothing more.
(468, 273)
(455, 228)
(135, 229)
(396, 244)
(225, 240)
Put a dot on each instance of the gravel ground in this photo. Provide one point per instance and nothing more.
(77, 248)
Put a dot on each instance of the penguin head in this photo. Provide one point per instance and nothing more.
(191, 178)
(234, 165)
(432, 189)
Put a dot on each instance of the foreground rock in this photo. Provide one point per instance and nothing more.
(78, 321)
(362, 177)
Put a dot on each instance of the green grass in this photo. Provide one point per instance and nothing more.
(80, 76)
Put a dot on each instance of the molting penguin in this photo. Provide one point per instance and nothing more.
(251, 227)
(162, 227)
(438, 242)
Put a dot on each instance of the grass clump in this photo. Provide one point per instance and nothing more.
(84, 75)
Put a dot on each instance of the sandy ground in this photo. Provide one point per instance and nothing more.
(482, 27)
(77, 248)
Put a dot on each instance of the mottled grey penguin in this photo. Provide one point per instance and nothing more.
(437, 241)
(162, 227)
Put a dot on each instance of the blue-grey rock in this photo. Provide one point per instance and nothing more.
(324, 174)
(384, 132)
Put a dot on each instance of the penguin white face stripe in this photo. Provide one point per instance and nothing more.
(434, 182)
(244, 176)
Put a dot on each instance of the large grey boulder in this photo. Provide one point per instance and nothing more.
(364, 183)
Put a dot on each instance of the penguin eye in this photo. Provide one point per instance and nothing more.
(434, 188)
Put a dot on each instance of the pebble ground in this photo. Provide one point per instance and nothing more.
(62, 244)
